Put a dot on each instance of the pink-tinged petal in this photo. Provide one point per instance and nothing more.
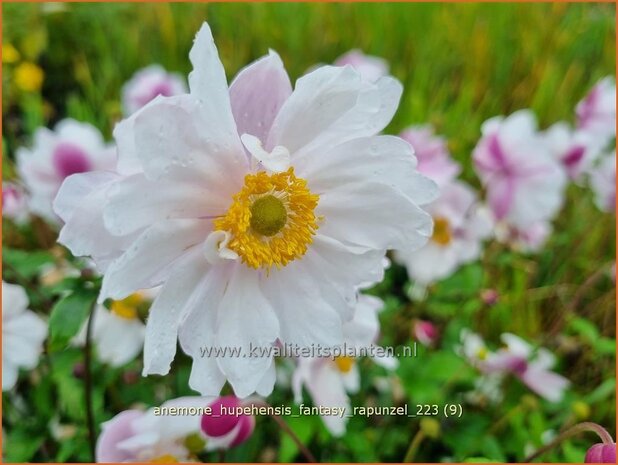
(375, 216)
(431, 151)
(370, 67)
(208, 83)
(500, 197)
(381, 159)
(148, 83)
(245, 319)
(549, 385)
(168, 310)
(113, 432)
(140, 268)
(257, 93)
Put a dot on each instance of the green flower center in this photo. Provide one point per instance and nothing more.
(268, 215)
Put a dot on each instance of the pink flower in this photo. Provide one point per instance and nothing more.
(148, 83)
(603, 182)
(601, 453)
(370, 67)
(225, 426)
(71, 148)
(596, 113)
(524, 183)
(155, 434)
(575, 150)
(14, 202)
(425, 332)
(434, 159)
(531, 366)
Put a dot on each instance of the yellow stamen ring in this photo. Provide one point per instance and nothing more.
(271, 220)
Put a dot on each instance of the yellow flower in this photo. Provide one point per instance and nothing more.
(29, 77)
(9, 54)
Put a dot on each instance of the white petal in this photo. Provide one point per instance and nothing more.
(387, 160)
(277, 160)
(136, 202)
(245, 318)
(167, 312)
(332, 105)
(147, 261)
(208, 83)
(197, 332)
(215, 247)
(373, 215)
(305, 314)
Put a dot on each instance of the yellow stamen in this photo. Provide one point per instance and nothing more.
(441, 231)
(482, 353)
(344, 363)
(127, 308)
(271, 220)
(167, 458)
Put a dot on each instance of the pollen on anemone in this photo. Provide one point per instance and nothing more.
(258, 208)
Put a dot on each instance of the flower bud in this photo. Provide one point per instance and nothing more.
(226, 424)
(425, 332)
(490, 297)
(601, 453)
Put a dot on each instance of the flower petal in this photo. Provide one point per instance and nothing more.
(167, 311)
(137, 202)
(208, 83)
(332, 105)
(245, 319)
(146, 262)
(373, 215)
(383, 159)
(257, 93)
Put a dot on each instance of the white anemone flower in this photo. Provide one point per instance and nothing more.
(117, 333)
(23, 333)
(257, 208)
(329, 381)
(461, 224)
(72, 147)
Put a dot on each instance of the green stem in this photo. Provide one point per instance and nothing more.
(605, 437)
(414, 445)
(92, 437)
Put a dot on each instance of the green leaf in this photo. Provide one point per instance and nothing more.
(27, 263)
(67, 317)
(20, 446)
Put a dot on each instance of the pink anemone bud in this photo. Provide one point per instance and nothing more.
(425, 332)
(601, 453)
(227, 422)
(490, 296)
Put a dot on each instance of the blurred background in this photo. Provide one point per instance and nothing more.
(460, 65)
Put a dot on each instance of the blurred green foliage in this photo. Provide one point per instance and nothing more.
(460, 64)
